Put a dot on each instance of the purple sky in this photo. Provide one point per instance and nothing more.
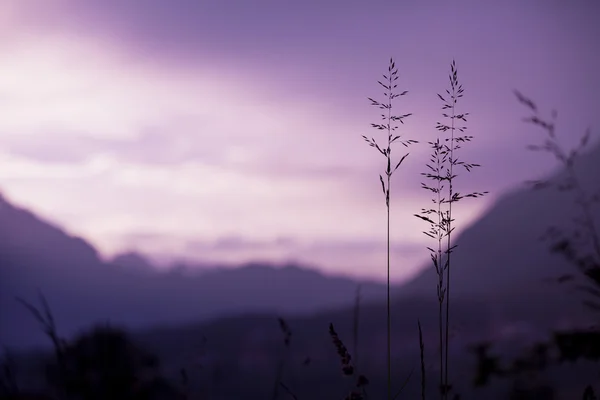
(231, 130)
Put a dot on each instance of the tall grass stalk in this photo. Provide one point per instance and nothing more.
(46, 319)
(355, 323)
(287, 339)
(422, 357)
(441, 169)
(389, 125)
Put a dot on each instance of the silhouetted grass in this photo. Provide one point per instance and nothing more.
(579, 244)
(100, 364)
(389, 126)
(355, 323)
(422, 354)
(441, 169)
(287, 339)
(8, 381)
(358, 392)
(48, 324)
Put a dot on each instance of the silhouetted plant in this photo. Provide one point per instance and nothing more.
(287, 339)
(389, 126)
(577, 344)
(441, 170)
(184, 373)
(288, 391)
(589, 394)
(355, 324)
(521, 370)
(8, 379)
(106, 364)
(422, 358)
(570, 347)
(48, 324)
(359, 390)
(526, 391)
(345, 357)
(487, 367)
(103, 364)
(580, 245)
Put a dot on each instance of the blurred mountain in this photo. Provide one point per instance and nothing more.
(82, 289)
(132, 260)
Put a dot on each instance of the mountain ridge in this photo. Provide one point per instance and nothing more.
(36, 255)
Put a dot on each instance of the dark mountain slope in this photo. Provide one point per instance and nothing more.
(82, 289)
(501, 253)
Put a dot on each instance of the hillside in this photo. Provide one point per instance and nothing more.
(82, 289)
(501, 254)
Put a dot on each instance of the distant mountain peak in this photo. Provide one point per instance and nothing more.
(132, 260)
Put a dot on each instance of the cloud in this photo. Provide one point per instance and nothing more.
(66, 102)
(175, 145)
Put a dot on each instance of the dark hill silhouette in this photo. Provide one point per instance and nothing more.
(501, 254)
(82, 289)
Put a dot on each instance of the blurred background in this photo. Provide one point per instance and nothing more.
(188, 171)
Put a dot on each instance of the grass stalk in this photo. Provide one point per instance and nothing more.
(46, 319)
(422, 358)
(389, 125)
(355, 325)
(441, 169)
(453, 82)
(287, 338)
